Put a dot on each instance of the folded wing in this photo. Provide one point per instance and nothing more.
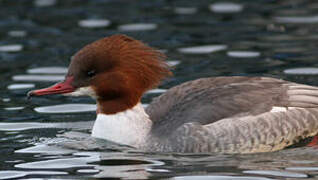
(235, 114)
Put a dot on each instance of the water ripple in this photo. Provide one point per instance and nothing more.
(60, 163)
(40, 78)
(66, 108)
(243, 54)
(206, 49)
(17, 33)
(11, 48)
(306, 20)
(48, 70)
(137, 27)
(185, 10)
(212, 177)
(19, 174)
(44, 3)
(20, 86)
(277, 173)
(94, 23)
(226, 7)
(303, 71)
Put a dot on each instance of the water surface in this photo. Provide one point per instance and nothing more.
(48, 137)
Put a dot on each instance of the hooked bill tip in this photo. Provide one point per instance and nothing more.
(30, 94)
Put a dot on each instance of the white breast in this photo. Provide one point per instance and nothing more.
(130, 127)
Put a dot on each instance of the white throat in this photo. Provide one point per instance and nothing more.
(129, 127)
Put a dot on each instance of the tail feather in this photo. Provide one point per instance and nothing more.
(302, 86)
(303, 92)
(302, 96)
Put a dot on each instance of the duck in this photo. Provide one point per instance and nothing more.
(228, 114)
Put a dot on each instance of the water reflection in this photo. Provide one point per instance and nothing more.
(39, 78)
(44, 3)
(137, 27)
(14, 108)
(94, 23)
(243, 54)
(185, 10)
(302, 169)
(11, 48)
(66, 108)
(62, 163)
(302, 71)
(221, 37)
(219, 178)
(286, 174)
(17, 33)
(45, 149)
(23, 126)
(309, 19)
(20, 174)
(206, 49)
(6, 99)
(226, 7)
(48, 70)
(156, 91)
(20, 86)
(88, 171)
(127, 166)
(173, 63)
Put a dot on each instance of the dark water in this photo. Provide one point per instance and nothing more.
(201, 38)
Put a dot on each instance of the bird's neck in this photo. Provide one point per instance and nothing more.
(130, 127)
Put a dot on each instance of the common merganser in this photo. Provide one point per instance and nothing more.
(216, 114)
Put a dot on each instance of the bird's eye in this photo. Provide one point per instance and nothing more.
(91, 73)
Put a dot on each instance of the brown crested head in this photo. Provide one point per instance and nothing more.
(116, 70)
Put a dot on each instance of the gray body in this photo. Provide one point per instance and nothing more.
(232, 115)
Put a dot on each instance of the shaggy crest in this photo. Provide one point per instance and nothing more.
(124, 67)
